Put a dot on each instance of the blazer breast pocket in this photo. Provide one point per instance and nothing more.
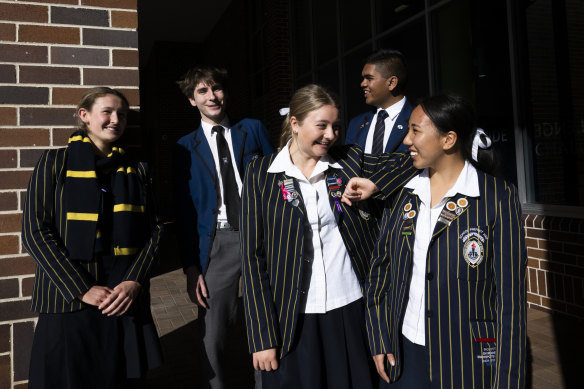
(473, 254)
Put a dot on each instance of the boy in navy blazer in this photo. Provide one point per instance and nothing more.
(383, 128)
(209, 165)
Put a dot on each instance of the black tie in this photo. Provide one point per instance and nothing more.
(379, 132)
(230, 190)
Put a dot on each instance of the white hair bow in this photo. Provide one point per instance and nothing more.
(479, 142)
(284, 111)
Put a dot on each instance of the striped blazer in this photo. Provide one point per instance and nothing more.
(59, 280)
(272, 239)
(474, 291)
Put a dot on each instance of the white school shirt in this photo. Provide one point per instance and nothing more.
(212, 140)
(467, 184)
(392, 112)
(333, 282)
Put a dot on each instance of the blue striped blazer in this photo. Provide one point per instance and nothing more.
(59, 280)
(474, 294)
(272, 239)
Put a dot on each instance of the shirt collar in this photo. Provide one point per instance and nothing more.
(283, 163)
(207, 127)
(467, 184)
(394, 109)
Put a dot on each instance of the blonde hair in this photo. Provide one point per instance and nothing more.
(305, 100)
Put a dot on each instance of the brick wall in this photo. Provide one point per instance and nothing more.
(51, 51)
(555, 249)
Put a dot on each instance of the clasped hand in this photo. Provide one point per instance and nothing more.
(112, 302)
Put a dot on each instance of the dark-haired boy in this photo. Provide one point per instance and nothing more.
(383, 129)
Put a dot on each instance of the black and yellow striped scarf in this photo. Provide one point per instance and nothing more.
(82, 200)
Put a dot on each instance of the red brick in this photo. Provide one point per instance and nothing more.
(528, 222)
(7, 32)
(531, 298)
(4, 338)
(8, 73)
(536, 253)
(125, 58)
(79, 56)
(22, 53)
(80, 16)
(67, 96)
(8, 159)
(14, 179)
(8, 201)
(61, 136)
(124, 4)
(27, 286)
(24, 385)
(54, 1)
(16, 137)
(8, 243)
(111, 77)
(543, 289)
(49, 75)
(24, 12)
(49, 34)
(553, 304)
(5, 371)
(125, 19)
(47, 116)
(110, 38)
(7, 116)
(532, 281)
(534, 263)
(133, 96)
(23, 95)
(30, 157)
(533, 233)
(23, 335)
(530, 242)
(9, 288)
(550, 245)
(10, 222)
(538, 221)
(571, 237)
(17, 266)
(15, 310)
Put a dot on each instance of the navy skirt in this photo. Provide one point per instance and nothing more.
(86, 349)
(330, 351)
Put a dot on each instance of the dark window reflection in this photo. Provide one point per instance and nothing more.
(325, 29)
(355, 22)
(390, 13)
(302, 31)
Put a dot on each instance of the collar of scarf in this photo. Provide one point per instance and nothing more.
(82, 198)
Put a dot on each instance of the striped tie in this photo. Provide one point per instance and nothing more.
(379, 132)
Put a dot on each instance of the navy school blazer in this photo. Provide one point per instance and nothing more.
(196, 185)
(475, 299)
(272, 239)
(359, 127)
(59, 280)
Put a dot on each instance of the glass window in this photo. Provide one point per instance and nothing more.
(355, 23)
(389, 13)
(556, 112)
(328, 77)
(472, 60)
(302, 31)
(325, 29)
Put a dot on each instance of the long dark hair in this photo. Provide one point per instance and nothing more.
(449, 112)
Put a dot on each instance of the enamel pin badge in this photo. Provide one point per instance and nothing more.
(334, 187)
(289, 192)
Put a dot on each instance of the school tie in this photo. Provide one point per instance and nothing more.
(230, 190)
(379, 132)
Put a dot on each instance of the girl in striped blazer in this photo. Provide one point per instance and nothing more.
(88, 223)
(306, 255)
(446, 294)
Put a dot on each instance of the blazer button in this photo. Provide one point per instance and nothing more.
(428, 313)
(429, 276)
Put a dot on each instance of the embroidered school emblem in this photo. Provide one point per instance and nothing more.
(364, 215)
(473, 252)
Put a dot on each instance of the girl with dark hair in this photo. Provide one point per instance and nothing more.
(446, 293)
(306, 255)
(89, 224)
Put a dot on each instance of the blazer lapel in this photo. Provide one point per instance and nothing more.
(400, 129)
(203, 152)
(409, 216)
(453, 209)
(363, 129)
(297, 202)
(238, 142)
